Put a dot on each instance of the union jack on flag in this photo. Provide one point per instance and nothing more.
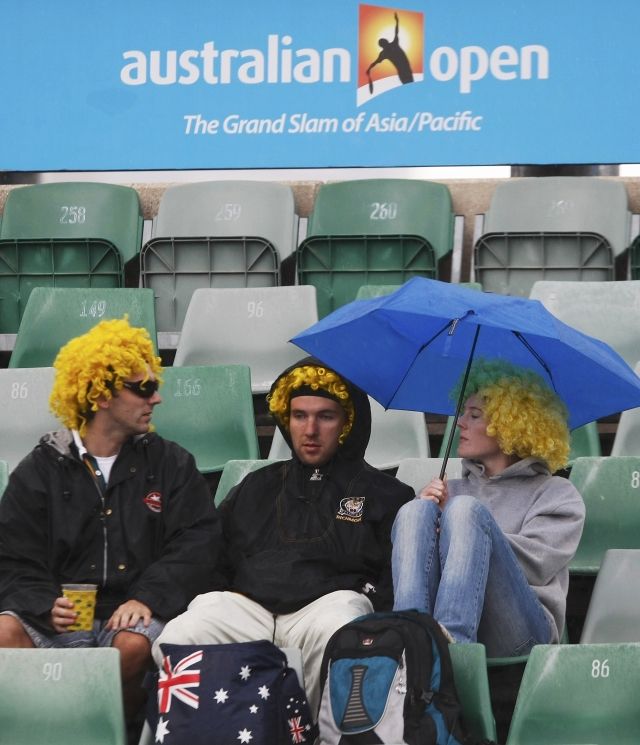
(297, 729)
(177, 681)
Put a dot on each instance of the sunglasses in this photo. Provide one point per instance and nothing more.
(142, 388)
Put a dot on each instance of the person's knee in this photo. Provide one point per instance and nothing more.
(135, 652)
(13, 634)
(413, 515)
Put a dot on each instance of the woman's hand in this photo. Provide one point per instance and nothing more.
(436, 491)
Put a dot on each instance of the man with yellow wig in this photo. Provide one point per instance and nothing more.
(105, 501)
(307, 541)
(488, 554)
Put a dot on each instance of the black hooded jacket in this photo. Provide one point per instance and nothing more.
(155, 537)
(290, 539)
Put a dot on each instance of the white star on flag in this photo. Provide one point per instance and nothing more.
(221, 696)
(244, 735)
(162, 729)
(245, 672)
(253, 709)
(263, 692)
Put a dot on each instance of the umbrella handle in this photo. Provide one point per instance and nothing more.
(443, 469)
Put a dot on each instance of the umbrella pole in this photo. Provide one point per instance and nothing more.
(443, 470)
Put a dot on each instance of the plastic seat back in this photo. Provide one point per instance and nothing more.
(610, 311)
(393, 435)
(614, 605)
(71, 696)
(64, 235)
(54, 315)
(578, 694)
(230, 208)
(418, 472)
(216, 234)
(73, 211)
(209, 411)
(24, 401)
(233, 473)
(247, 326)
(626, 440)
(610, 487)
(373, 231)
(472, 685)
(556, 228)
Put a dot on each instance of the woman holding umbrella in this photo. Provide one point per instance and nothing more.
(487, 555)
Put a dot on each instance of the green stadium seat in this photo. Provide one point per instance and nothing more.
(576, 694)
(373, 231)
(370, 291)
(246, 326)
(64, 235)
(610, 487)
(613, 613)
(4, 476)
(215, 234)
(610, 311)
(54, 315)
(551, 228)
(52, 696)
(394, 436)
(233, 473)
(209, 411)
(472, 685)
(24, 402)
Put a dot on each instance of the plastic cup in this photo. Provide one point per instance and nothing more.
(83, 598)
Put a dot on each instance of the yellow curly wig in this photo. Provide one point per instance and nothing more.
(525, 416)
(93, 365)
(315, 377)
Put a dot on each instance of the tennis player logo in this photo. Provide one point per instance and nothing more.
(390, 50)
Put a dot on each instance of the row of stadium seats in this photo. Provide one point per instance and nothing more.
(253, 325)
(243, 234)
(575, 693)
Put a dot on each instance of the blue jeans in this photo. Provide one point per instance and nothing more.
(458, 566)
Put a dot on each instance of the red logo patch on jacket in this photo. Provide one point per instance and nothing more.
(153, 500)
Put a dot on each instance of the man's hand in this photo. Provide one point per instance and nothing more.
(128, 615)
(62, 614)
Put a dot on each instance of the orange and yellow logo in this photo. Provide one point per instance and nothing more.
(390, 50)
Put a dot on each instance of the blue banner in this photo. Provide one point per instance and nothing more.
(160, 84)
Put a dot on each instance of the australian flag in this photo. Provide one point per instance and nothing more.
(228, 694)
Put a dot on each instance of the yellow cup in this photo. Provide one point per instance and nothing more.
(83, 598)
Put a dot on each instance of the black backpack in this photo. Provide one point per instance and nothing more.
(388, 678)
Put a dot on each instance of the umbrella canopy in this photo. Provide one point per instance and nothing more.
(408, 349)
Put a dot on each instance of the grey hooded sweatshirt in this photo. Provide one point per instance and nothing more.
(542, 518)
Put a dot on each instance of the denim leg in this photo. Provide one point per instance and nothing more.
(414, 559)
(483, 593)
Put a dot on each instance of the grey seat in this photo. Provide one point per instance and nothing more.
(613, 613)
(394, 435)
(246, 326)
(4, 476)
(626, 440)
(24, 401)
(418, 472)
(215, 234)
(553, 228)
(610, 311)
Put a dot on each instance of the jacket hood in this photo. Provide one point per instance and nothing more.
(525, 467)
(355, 444)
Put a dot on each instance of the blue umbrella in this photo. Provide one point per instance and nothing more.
(409, 348)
